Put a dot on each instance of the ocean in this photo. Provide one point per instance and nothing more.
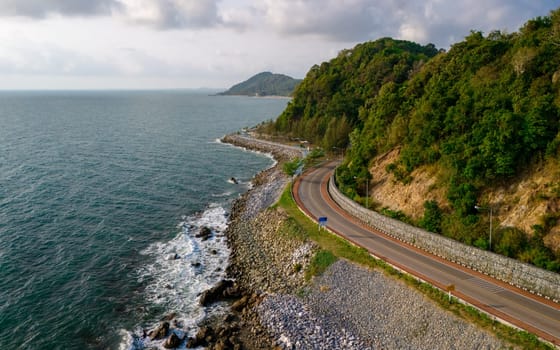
(102, 194)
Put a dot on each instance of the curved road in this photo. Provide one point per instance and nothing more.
(524, 310)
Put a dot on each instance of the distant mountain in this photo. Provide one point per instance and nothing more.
(265, 84)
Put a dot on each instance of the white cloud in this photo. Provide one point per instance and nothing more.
(162, 14)
(341, 20)
(433, 21)
(48, 59)
(44, 8)
(337, 20)
(169, 14)
(216, 43)
(413, 32)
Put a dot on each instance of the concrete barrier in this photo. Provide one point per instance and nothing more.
(514, 272)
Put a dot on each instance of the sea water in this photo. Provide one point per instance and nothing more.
(102, 195)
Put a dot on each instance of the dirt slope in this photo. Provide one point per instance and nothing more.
(521, 203)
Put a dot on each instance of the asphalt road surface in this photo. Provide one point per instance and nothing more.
(527, 311)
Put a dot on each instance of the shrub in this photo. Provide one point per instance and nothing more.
(510, 242)
(432, 217)
(320, 262)
(291, 167)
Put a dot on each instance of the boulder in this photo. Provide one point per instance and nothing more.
(223, 290)
(204, 332)
(160, 331)
(172, 342)
(169, 317)
(203, 337)
(228, 318)
(232, 292)
(240, 304)
(191, 343)
(204, 233)
(173, 256)
(220, 345)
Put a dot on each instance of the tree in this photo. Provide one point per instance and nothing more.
(291, 166)
(431, 220)
(337, 133)
(479, 113)
(510, 242)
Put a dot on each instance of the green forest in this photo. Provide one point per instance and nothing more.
(483, 110)
(264, 84)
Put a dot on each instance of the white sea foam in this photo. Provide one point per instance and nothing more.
(182, 269)
(224, 194)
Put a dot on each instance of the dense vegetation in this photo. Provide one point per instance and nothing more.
(483, 111)
(265, 84)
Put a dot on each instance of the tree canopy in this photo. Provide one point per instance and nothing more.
(264, 84)
(484, 110)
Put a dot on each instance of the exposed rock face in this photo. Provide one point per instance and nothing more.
(520, 203)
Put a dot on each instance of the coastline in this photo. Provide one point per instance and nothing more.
(272, 306)
(280, 97)
(262, 259)
(256, 266)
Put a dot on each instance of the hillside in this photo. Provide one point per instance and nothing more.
(430, 134)
(264, 84)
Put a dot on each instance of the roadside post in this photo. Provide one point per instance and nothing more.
(449, 289)
(322, 221)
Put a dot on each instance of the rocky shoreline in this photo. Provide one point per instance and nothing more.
(271, 306)
(263, 260)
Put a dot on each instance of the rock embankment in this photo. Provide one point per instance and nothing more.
(263, 260)
(280, 153)
(348, 307)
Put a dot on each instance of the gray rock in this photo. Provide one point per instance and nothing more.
(204, 233)
(160, 331)
(172, 342)
(217, 293)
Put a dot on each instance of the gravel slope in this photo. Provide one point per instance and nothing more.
(350, 307)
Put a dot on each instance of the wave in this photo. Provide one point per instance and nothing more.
(181, 269)
(225, 194)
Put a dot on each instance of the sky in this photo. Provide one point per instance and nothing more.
(174, 44)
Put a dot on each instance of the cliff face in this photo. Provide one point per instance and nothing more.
(523, 202)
